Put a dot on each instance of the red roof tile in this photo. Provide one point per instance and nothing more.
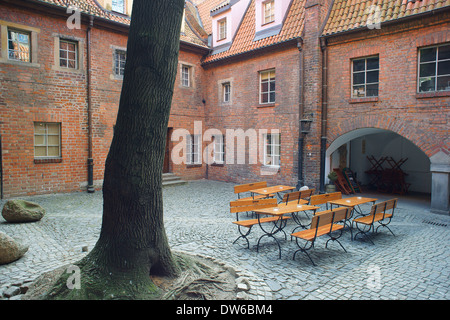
(244, 39)
(347, 15)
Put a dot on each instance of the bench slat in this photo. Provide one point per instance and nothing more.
(310, 234)
(252, 222)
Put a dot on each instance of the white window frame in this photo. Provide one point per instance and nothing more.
(226, 88)
(186, 75)
(270, 142)
(436, 62)
(75, 43)
(222, 29)
(118, 70)
(118, 6)
(365, 71)
(46, 143)
(219, 149)
(271, 79)
(193, 149)
(268, 14)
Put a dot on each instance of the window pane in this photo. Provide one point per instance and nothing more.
(444, 52)
(272, 85)
(272, 97)
(53, 128)
(53, 151)
(427, 69)
(427, 84)
(359, 65)
(264, 86)
(63, 45)
(372, 63)
(39, 128)
(428, 54)
(40, 151)
(443, 83)
(264, 97)
(71, 64)
(372, 76)
(359, 91)
(372, 90)
(39, 140)
(359, 78)
(53, 140)
(443, 68)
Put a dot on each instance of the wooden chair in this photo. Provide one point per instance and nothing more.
(323, 223)
(239, 206)
(300, 197)
(319, 199)
(243, 188)
(378, 213)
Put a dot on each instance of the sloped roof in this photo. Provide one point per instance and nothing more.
(244, 39)
(347, 15)
(193, 31)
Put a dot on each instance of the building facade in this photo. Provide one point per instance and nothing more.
(277, 90)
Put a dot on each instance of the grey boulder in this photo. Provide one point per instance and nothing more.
(22, 211)
(10, 249)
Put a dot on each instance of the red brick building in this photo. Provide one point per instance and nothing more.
(251, 72)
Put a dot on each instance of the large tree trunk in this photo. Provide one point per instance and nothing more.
(133, 242)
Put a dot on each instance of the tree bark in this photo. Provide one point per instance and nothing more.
(133, 243)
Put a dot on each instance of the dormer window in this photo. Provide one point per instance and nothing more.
(222, 29)
(268, 11)
(118, 6)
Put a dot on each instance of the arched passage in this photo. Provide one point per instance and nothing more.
(359, 149)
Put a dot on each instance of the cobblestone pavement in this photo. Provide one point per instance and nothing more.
(415, 264)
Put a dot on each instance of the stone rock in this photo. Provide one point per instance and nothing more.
(22, 211)
(11, 291)
(10, 249)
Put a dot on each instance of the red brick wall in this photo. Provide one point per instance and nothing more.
(244, 112)
(420, 119)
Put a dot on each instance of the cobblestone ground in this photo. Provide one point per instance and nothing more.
(412, 265)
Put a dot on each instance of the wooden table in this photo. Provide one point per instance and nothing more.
(353, 202)
(270, 190)
(280, 211)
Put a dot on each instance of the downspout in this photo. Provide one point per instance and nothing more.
(300, 180)
(90, 160)
(323, 140)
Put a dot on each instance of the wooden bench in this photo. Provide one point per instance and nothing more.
(242, 188)
(379, 213)
(319, 199)
(301, 197)
(323, 223)
(239, 206)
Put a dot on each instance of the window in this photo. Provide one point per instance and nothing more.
(219, 150)
(269, 11)
(222, 26)
(365, 74)
(185, 76)
(120, 58)
(193, 149)
(267, 86)
(434, 68)
(68, 54)
(19, 47)
(226, 89)
(47, 140)
(272, 149)
(118, 6)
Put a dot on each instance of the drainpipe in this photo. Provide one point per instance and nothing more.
(90, 160)
(300, 182)
(323, 140)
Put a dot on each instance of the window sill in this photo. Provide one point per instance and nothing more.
(433, 94)
(48, 160)
(363, 100)
(267, 105)
(198, 165)
(20, 63)
(217, 164)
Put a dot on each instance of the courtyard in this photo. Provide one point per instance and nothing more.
(413, 265)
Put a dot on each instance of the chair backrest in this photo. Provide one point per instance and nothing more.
(297, 195)
(324, 198)
(330, 216)
(384, 206)
(249, 186)
(251, 205)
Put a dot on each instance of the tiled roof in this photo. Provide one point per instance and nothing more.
(92, 7)
(244, 39)
(348, 15)
(204, 10)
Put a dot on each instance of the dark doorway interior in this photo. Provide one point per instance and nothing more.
(166, 166)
